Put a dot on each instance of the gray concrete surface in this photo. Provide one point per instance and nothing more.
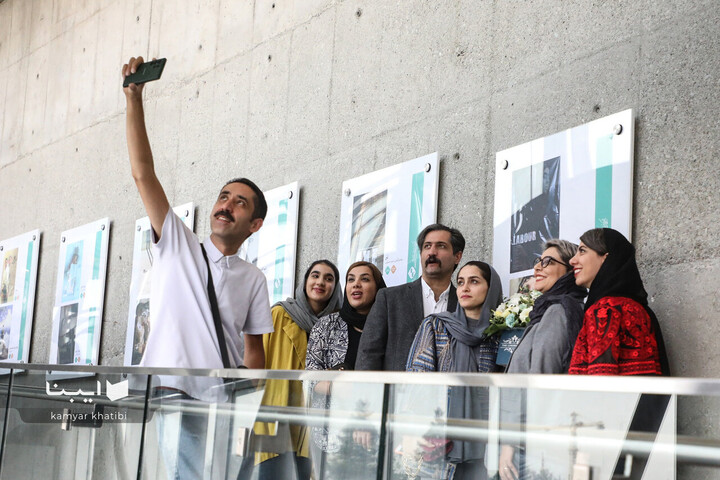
(290, 90)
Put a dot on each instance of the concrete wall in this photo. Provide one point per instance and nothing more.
(284, 90)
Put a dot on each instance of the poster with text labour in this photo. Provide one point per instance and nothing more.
(273, 248)
(79, 294)
(383, 212)
(18, 277)
(138, 325)
(560, 186)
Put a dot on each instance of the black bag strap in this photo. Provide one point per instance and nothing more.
(216, 313)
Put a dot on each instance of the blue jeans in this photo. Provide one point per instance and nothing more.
(184, 453)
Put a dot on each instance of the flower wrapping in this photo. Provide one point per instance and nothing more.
(513, 312)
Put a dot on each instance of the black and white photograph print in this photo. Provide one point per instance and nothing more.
(536, 212)
(66, 337)
(5, 323)
(367, 242)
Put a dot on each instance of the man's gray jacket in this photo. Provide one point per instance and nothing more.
(391, 326)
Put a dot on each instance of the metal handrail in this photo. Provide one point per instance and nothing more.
(688, 449)
(609, 384)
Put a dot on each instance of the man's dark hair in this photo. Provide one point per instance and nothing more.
(259, 203)
(457, 241)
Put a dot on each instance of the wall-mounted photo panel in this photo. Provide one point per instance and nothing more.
(559, 187)
(381, 215)
(138, 326)
(18, 276)
(79, 295)
(272, 249)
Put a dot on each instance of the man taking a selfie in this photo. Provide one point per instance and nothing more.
(190, 279)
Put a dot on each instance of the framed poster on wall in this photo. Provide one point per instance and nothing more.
(18, 277)
(383, 212)
(79, 294)
(138, 326)
(560, 186)
(273, 248)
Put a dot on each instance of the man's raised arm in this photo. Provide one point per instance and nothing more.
(141, 160)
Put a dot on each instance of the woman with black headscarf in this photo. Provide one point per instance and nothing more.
(620, 334)
(547, 342)
(455, 342)
(557, 315)
(334, 339)
(333, 345)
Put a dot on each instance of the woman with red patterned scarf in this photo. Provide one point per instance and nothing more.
(620, 333)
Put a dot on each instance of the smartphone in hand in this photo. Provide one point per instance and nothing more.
(146, 72)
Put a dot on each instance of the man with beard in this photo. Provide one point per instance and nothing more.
(193, 284)
(395, 317)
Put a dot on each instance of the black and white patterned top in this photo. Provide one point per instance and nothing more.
(327, 346)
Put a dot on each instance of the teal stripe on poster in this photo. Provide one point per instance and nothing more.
(280, 254)
(95, 276)
(603, 183)
(416, 204)
(91, 334)
(26, 294)
(96, 260)
(279, 273)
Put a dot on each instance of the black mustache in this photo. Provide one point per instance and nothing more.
(432, 259)
(224, 213)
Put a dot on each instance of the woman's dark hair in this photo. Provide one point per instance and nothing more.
(376, 273)
(326, 262)
(484, 269)
(595, 240)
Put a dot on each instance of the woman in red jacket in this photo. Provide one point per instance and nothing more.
(620, 333)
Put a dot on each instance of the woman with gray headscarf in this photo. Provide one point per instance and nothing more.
(283, 449)
(455, 342)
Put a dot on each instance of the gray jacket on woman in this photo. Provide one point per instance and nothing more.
(545, 347)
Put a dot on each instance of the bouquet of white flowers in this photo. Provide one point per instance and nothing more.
(513, 312)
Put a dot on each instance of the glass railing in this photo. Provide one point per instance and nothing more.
(118, 423)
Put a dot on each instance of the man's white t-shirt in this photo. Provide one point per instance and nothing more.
(182, 331)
